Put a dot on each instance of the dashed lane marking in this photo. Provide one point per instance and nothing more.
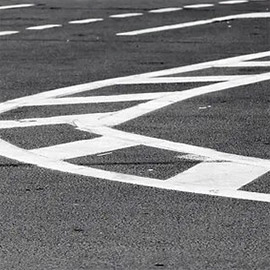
(256, 15)
(6, 33)
(42, 27)
(165, 10)
(218, 173)
(233, 2)
(85, 21)
(125, 15)
(199, 6)
(16, 6)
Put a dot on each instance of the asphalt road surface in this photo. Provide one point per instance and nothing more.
(134, 134)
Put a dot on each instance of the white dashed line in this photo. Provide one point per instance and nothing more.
(199, 6)
(84, 21)
(164, 10)
(16, 6)
(6, 33)
(257, 15)
(42, 27)
(125, 15)
(233, 2)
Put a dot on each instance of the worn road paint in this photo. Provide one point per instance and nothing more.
(256, 15)
(229, 172)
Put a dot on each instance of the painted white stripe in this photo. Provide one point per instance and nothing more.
(184, 79)
(125, 15)
(66, 119)
(98, 125)
(258, 15)
(85, 21)
(97, 99)
(42, 27)
(82, 148)
(248, 64)
(173, 146)
(24, 156)
(6, 33)
(70, 90)
(233, 2)
(219, 175)
(199, 6)
(164, 10)
(119, 117)
(16, 6)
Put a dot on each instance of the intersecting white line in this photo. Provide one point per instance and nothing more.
(97, 99)
(196, 180)
(54, 120)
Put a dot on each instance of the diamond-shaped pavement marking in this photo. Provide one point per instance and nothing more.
(139, 160)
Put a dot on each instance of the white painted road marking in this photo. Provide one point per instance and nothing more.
(165, 10)
(199, 6)
(6, 33)
(42, 27)
(256, 15)
(16, 6)
(125, 15)
(233, 2)
(83, 148)
(85, 21)
(229, 172)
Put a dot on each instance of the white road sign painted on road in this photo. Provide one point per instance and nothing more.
(219, 174)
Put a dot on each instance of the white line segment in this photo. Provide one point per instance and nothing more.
(16, 6)
(42, 27)
(233, 2)
(166, 80)
(258, 15)
(85, 21)
(6, 33)
(83, 148)
(198, 6)
(125, 15)
(248, 64)
(165, 10)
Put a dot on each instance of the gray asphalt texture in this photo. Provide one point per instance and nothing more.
(51, 220)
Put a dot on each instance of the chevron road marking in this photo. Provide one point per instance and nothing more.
(218, 173)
